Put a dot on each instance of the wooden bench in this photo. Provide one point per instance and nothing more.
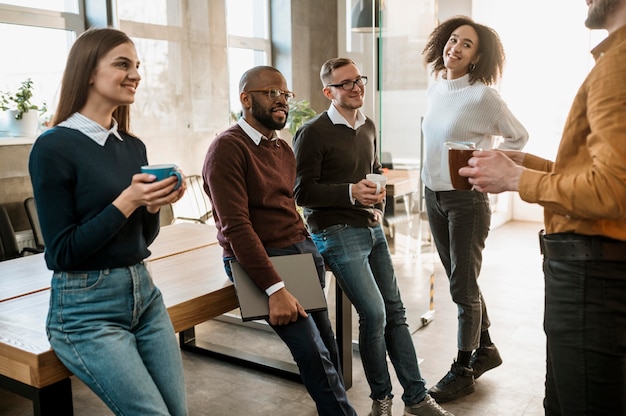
(195, 290)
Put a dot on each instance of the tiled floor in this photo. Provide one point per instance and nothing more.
(512, 284)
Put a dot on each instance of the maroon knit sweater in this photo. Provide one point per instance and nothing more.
(251, 189)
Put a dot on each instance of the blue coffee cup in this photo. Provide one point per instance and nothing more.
(163, 171)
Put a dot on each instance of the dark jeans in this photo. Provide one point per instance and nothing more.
(459, 222)
(585, 325)
(313, 346)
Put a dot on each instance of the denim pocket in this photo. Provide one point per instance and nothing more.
(331, 231)
(78, 281)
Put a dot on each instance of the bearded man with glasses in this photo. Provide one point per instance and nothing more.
(249, 174)
(344, 213)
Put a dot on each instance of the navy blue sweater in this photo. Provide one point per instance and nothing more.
(75, 181)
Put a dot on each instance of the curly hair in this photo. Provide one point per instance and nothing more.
(489, 67)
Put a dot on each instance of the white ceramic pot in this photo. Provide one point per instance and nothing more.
(27, 126)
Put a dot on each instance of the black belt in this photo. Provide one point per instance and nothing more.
(577, 247)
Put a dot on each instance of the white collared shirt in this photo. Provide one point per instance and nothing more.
(90, 128)
(336, 117)
(253, 133)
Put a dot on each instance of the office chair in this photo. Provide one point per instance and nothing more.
(195, 205)
(33, 219)
(10, 249)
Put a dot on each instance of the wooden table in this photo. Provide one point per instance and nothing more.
(186, 265)
(401, 182)
(402, 185)
(181, 237)
(25, 275)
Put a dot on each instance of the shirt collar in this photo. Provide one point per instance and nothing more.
(253, 133)
(90, 128)
(336, 117)
(613, 39)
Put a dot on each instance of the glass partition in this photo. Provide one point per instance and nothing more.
(386, 39)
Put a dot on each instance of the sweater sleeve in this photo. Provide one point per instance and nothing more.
(513, 132)
(74, 191)
(224, 174)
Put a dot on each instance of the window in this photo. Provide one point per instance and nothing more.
(159, 35)
(248, 41)
(42, 37)
(156, 12)
(70, 6)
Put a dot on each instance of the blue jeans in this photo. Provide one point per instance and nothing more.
(459, 223)
(312, 344)
(360, 260)
(585, 325)
(111, 329)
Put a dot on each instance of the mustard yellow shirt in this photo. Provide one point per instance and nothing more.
(584, 190)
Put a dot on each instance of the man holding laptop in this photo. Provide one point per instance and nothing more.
(249, 175)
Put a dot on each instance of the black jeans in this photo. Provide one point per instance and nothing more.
(459, 222)
(585, 325)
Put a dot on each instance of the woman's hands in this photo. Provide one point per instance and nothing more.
(143, 191)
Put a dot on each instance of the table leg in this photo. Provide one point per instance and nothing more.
(52, 400)
(343, 311)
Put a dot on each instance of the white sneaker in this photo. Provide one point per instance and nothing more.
(427, 407)
(381, 407)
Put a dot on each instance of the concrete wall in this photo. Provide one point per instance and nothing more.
(305, 35)
(15, 184)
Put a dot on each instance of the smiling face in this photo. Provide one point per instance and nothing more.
(116, 77)
(342, 99)
(260, 111)
(460, 51)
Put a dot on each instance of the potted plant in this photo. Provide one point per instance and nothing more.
(23, 115)
(299, 113)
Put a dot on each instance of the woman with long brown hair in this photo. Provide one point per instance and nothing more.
(107, 321)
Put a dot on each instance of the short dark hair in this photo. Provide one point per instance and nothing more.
(330, 65)
(491, 63)
(251, 76)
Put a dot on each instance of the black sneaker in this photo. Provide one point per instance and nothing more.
(457, 383)
(484, 359)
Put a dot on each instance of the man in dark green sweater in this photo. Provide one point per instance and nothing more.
(344, 213)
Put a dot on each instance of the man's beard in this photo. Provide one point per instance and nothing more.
(599, 12)
(264, 116)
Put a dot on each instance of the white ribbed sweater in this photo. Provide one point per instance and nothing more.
(458, 111)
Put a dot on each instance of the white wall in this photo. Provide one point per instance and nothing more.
(546, 63)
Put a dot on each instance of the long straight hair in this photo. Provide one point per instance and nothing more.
(82, 60)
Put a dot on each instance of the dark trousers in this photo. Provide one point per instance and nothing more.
(313, 346)
(585, 325)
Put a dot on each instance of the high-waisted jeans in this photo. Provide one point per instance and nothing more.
(111, 329)
(360, 260)
(585, 324)
(459, 223)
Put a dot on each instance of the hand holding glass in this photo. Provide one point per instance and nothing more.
(458, 155)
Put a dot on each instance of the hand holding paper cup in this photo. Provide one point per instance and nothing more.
(379, 180)
(458, 155)
(163, 171)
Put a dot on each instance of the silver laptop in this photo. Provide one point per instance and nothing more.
(299, 273)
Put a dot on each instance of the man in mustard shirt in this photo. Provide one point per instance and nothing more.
(583, 193)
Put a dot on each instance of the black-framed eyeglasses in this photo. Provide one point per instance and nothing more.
(349, 85)
(274, 94)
